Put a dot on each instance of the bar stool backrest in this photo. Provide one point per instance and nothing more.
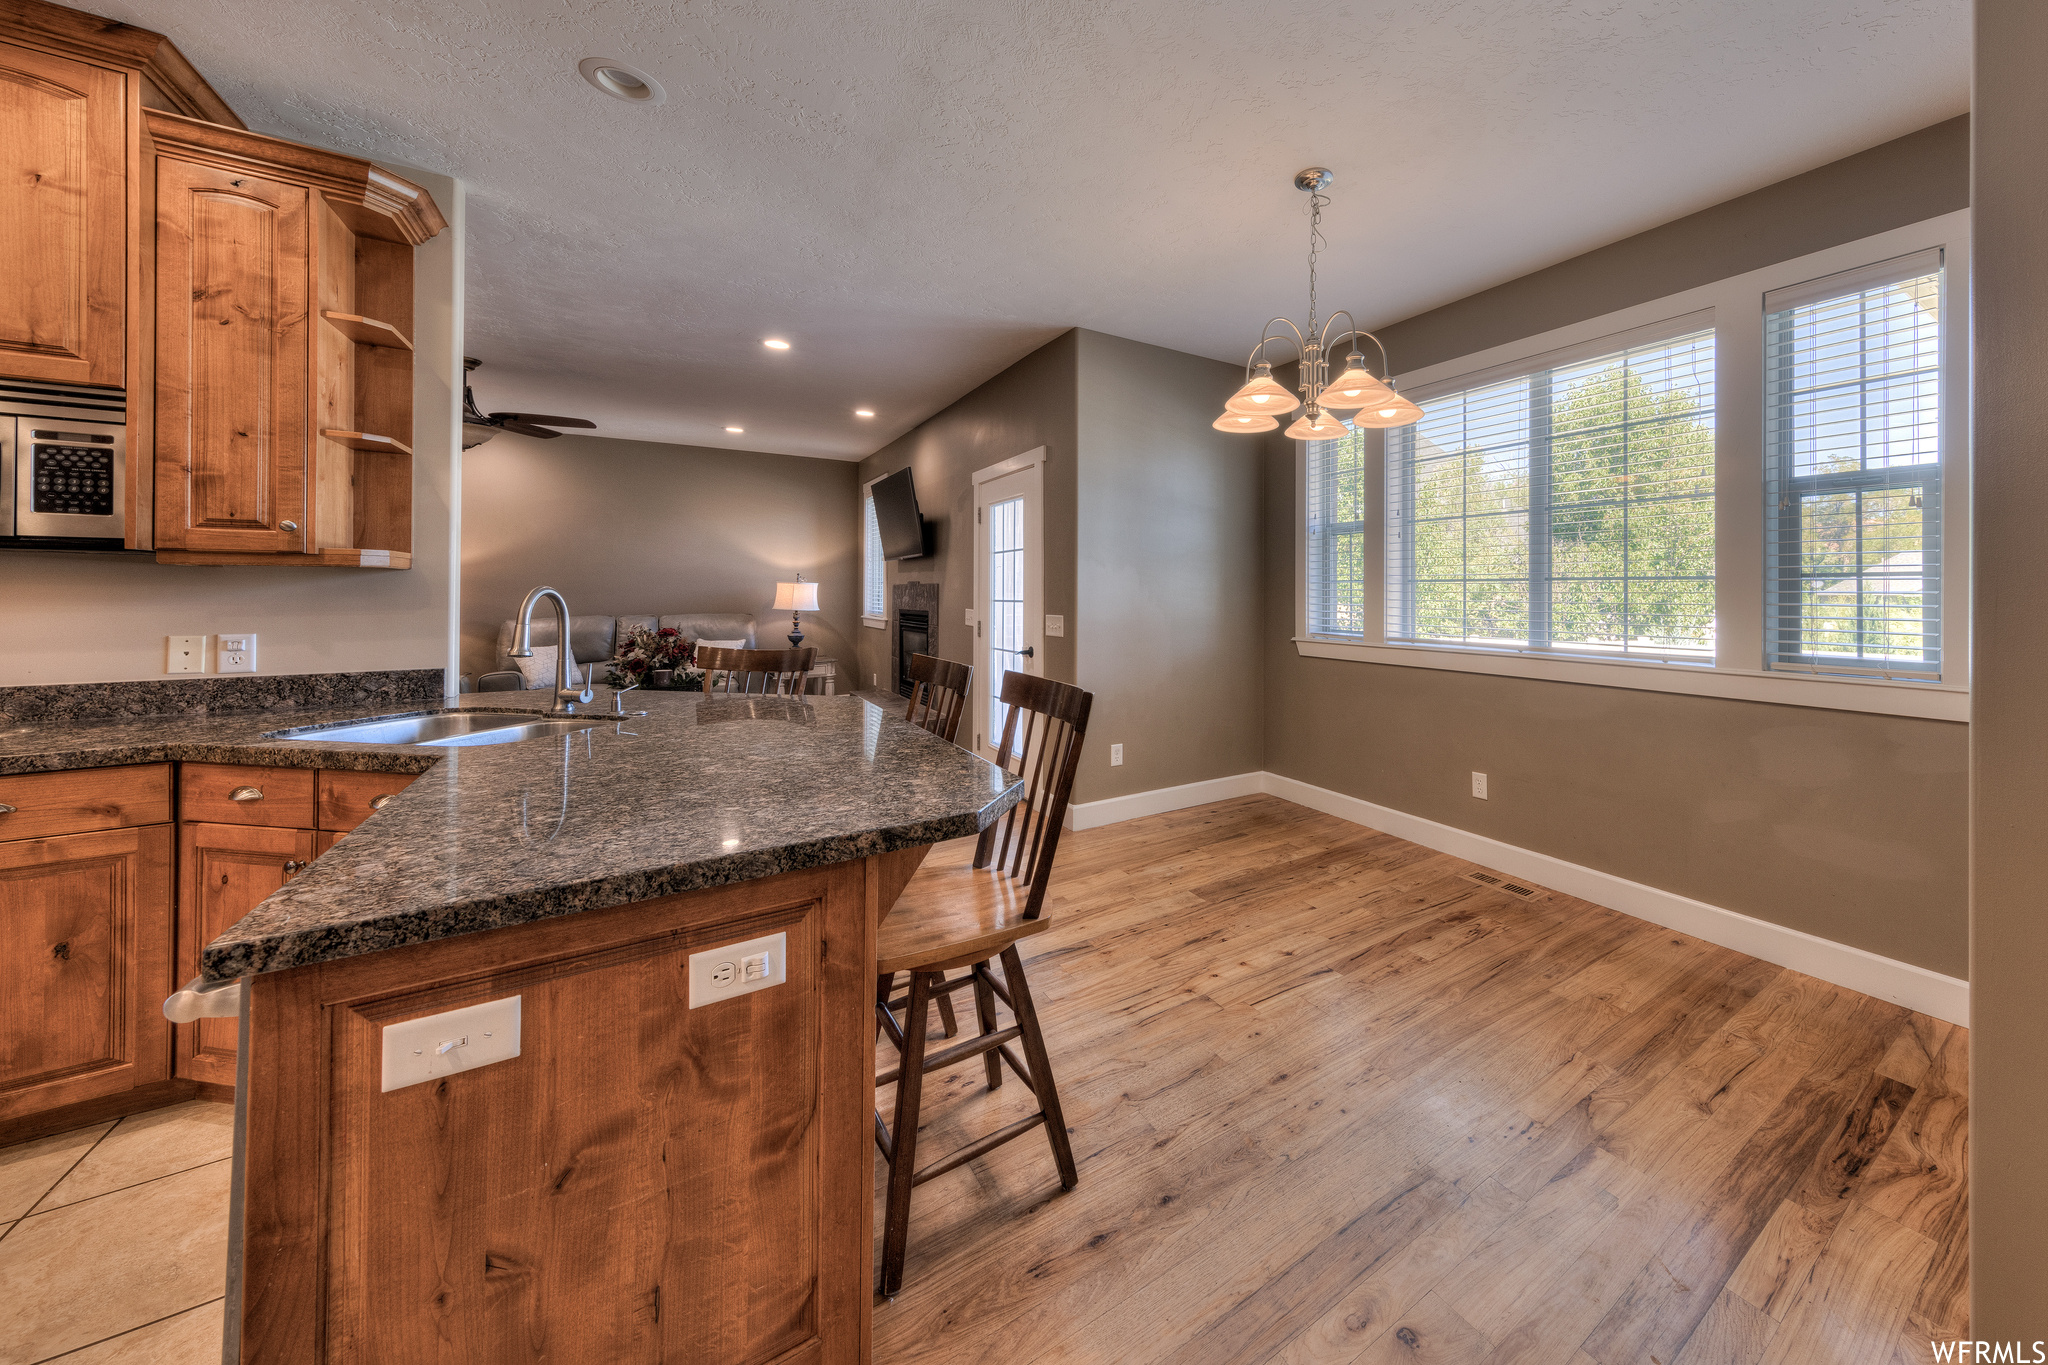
(767, 671)
(938, 694)
(1041, 743)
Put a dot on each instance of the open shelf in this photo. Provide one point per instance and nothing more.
(365, 440)
(369, 331)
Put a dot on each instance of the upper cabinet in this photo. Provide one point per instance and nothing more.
(64, 129)
(284, 358)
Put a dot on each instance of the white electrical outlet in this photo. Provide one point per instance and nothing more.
(1056, 626)
(1116, 755)
(184, 654)
(234, 653)
(1479, 785)
(738, 969)
(457, 1040)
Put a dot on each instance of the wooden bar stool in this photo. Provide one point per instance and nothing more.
(938, 694)
(778, 671)
(967, 917)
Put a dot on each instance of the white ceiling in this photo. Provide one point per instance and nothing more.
(916, 193)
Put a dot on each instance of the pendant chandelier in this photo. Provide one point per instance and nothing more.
(1263, 400)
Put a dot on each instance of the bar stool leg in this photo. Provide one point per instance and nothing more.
(903, 1160)
(1041, 1068)
(985, 1007)
(945, 1004)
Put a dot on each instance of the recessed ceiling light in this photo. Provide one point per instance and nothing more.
(735, 430)
(776, 344)
(863, 412)
(620, 81)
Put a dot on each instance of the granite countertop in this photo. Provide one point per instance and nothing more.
(700, 791)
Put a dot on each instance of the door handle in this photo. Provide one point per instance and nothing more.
(246, 794)
(1028, 652)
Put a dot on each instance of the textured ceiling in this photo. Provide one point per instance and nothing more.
(917, 193)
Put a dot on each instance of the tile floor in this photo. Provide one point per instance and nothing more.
(113, 1241)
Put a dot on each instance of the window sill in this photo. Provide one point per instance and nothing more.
(1927, 701)
(875, 622)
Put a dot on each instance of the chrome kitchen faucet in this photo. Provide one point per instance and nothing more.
(566, 696)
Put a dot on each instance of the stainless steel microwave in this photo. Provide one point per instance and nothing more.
(63, 465)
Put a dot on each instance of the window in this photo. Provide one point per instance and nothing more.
(1852, 446)
(873, 573)
(1570, 509)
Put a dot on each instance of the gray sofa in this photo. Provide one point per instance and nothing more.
(593, 640)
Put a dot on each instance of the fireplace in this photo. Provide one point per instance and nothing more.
(913, 636)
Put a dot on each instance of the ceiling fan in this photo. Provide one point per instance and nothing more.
(478, 427)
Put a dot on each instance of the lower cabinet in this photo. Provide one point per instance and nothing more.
(225, 871)
(85, 964)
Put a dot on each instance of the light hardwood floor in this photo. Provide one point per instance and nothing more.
(1333, 1102)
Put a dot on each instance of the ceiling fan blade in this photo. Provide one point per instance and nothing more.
(528, 429)
(541, 419)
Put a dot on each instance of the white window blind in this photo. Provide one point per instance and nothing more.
(1336, 536)
(1852, 439)
(1570, 509)
(874, 596)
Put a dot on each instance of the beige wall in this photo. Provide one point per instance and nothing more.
(1030, 404)
(1168, 573)
(2009, 857)
(637, 526)
(1846, 825)
(69, 618)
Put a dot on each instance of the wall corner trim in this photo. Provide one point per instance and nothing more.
(1902, 983)
(1035, 455)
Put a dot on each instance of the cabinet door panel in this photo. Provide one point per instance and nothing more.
(225, 871)
(232, 362)
(85, 947)
(63, 244)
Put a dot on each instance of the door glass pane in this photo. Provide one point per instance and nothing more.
(1005, 604)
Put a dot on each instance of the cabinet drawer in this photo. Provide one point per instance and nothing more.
(230, 794)
(347, 799)
(85, 799)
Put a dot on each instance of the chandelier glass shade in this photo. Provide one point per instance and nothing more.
(1371, 401)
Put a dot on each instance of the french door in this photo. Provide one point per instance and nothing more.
(1009, 586)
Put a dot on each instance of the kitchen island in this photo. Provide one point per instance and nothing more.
(644, 1180)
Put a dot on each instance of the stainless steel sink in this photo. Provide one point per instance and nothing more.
(444, 729)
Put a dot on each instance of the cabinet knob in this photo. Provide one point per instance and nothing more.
(381, 801)
(6, 809)
(289, 525)
(246, 794)
(293, 865)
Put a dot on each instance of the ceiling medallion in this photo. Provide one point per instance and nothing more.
(1263, 400)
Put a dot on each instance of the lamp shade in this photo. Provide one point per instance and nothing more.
(1323, 426)
(1355, 388)
(1262, 396)
(1237, 421)
(796, 597)
(1395, 411)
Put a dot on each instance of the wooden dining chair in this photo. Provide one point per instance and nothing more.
(968, 917)
(938, 694)
(736, 671)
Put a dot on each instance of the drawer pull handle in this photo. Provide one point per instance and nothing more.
(246, 794)
(6, 809)
(289, 525)
(292, 866)
(380, 802)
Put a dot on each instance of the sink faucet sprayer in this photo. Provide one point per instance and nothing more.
(566, 696)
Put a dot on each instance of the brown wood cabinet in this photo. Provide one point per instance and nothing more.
(224, 872)
(63, 219)
(284, 278)
(85, 941)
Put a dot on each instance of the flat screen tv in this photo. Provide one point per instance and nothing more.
(897, 517)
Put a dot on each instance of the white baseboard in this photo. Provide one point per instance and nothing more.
(1902, 983)
(1089, 814)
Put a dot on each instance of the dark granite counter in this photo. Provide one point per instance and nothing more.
(701, 791)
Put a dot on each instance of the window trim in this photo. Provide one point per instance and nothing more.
(1736, 307)
(867, 503)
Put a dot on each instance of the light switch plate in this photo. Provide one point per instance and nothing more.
(738, 969)
(1056, 626)
(184, 654)
(457, 1040)
(970, 616)
(234, 653)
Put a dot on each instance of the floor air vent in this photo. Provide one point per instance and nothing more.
(1501, 884)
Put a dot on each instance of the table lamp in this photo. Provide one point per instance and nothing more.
(793, 598)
